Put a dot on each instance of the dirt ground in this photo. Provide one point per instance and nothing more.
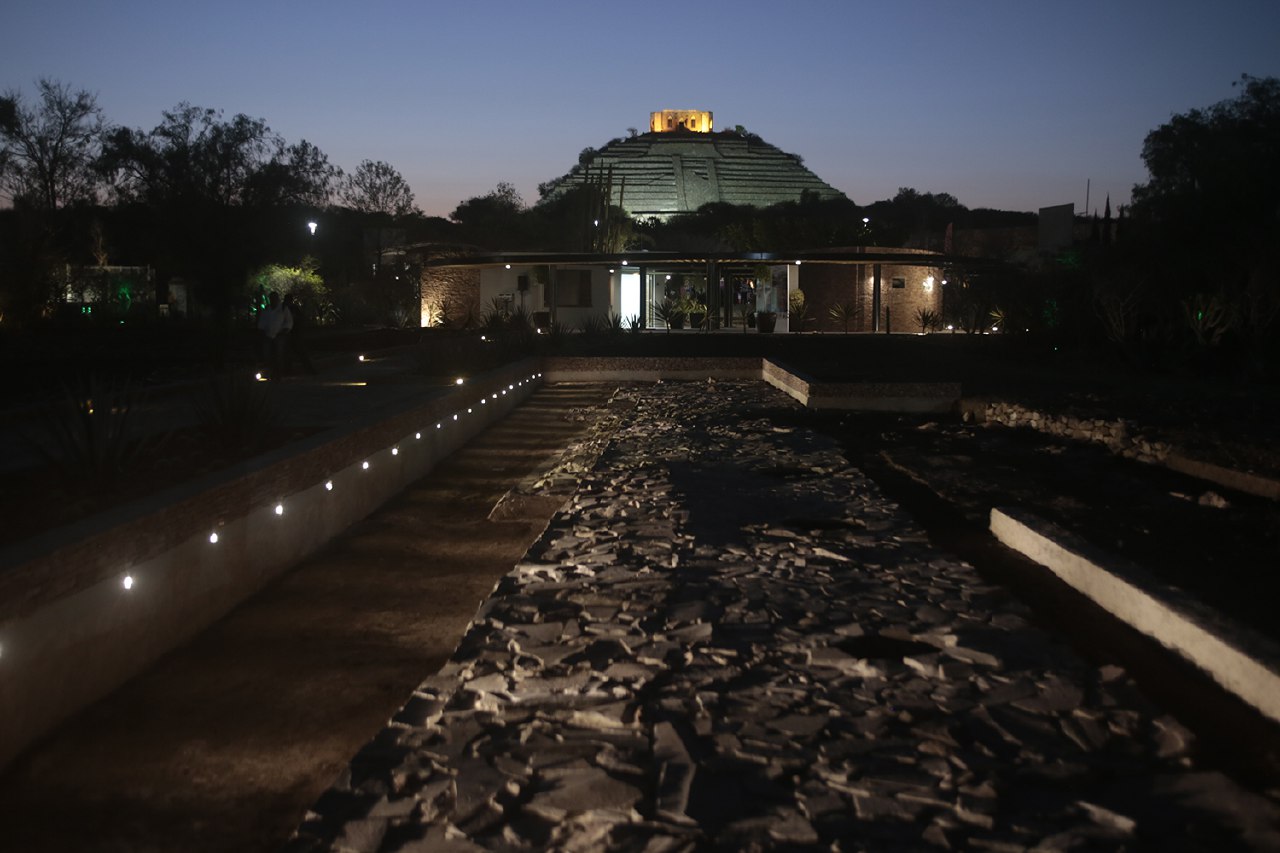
(226, 742)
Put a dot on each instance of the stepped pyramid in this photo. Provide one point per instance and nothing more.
(676, 169)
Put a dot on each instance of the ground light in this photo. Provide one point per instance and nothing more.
(127, 581)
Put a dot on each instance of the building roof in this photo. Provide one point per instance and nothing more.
(661, 174)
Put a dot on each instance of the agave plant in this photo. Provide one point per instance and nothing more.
(845, 313)
(928, 319)
(91, 435)
(798, 310)
(671, 313)
(235, 411)
(593, 324)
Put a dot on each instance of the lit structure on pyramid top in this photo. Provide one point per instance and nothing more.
(663, 121)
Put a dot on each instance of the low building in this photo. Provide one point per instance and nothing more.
(882, 289)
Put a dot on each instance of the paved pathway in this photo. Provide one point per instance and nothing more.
(729, 639)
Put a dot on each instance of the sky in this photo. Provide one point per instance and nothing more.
(1011, 105)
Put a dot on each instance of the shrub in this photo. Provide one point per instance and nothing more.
(235, 411)
(845, 314)
(928, 319)
(91, 435)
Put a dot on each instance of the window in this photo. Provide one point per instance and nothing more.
(573, 289)
(898, 283)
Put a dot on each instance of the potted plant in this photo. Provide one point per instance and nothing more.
(766, 320)
(670, 313)
(695, 308)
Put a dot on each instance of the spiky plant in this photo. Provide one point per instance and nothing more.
(235, 411)
(844, 313)
(91, 434)
(927, 319)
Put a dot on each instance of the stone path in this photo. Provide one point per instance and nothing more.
(729, 639)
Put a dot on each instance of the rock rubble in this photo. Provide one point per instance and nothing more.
(728, 638)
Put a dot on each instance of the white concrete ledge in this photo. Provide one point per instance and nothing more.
(861, 396)
(1241, 481)
(1242, 662)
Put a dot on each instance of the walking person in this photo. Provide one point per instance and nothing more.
(294, 346)
(274, 323)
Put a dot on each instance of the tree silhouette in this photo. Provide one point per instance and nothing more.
(47, 151)
(376, 187)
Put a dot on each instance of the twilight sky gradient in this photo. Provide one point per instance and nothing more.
(1003, 104)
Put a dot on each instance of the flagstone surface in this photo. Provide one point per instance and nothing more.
(729, 639)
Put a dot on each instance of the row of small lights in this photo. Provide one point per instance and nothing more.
(129, 581)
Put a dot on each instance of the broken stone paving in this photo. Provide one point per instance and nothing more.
(729, 638)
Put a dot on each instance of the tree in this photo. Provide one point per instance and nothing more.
(376, 187)
(192, 157)
(216, 191)
(47, 151)
(297, 175)
(494, 218)
(1208, 217)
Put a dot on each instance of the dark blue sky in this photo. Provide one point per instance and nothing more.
(1003, 104)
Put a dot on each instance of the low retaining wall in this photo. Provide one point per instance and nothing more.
(862, 396)
(1120, 436)
(86, 607)
(858, 396)
(1242, 662)
(567, 369)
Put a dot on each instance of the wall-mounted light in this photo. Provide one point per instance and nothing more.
(328, 485)
(365, 465)
(279, 509)
(213, 538)
(928, 285)
(127, 582)
(395, 451)
(508, 266)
